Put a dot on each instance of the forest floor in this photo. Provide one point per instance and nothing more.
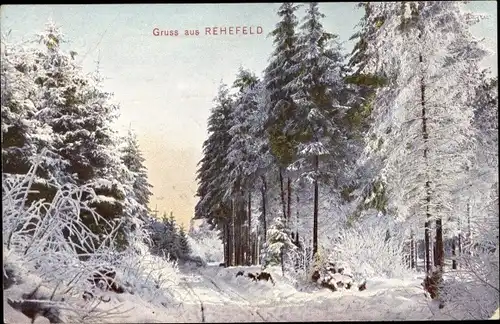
(215, 294)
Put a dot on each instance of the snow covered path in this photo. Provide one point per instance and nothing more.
(215, 294)
(220, 296)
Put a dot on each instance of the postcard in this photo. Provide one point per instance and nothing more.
(250, 162)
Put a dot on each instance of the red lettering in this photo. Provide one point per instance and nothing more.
(207, 31)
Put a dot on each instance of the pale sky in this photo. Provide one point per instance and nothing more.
(165, 85)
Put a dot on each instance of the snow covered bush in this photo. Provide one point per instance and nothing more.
(208, 248)
(472, 290)
(48, 240)
(301, 262)
(370, 249)
(278, 245)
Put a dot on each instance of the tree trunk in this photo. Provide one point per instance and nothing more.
(264, 206)
(257, 250)
(249, 231)
(460, 244)
(439, 256)
(425, 136)
(289, 200)
(427, 247)
(244, 229)
(255, 247)
(415, 244)
(241, 230)
(231, 236)
(315, 212)
(434, 254)
(282, 193)
(236, 236)
(469, 233)
(225, 236)
(453, 253)
(297, 221)
(412, 251)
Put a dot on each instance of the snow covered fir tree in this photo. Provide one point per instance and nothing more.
(366, 179)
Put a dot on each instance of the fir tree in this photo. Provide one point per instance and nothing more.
(317, 95)
(281, 108)
(213, 204)
(134, 161)
(183, 248)
(278, 243)
(80, 114)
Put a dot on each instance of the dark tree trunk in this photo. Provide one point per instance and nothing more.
(241, 230)
(454, 253)
(415, 244)
(236, 235)
(231, 236)
(434, 254)
(468, 237)
(460, 244)
(226, 243)
(439, 256)
(427, 210)
(254, 241)
(244, 229)
(289, 199)
(412, 251)
(425, 136)
(282, 193)
(315, 212)
(297, 222)
(257, 249)
(249, 231)
(264, 207)
(427, 247)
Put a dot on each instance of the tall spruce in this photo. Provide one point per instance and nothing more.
(212, 204)
(80, 115)
(277, 76)
(243, 156)
(317, 95)
(131, 156)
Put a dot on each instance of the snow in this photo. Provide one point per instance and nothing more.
(227, 298)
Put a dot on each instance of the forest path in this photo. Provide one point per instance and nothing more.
(222, 297)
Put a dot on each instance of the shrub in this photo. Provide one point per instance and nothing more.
(369, 251)
(49, 241)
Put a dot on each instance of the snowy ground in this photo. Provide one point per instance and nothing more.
(215, 294)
